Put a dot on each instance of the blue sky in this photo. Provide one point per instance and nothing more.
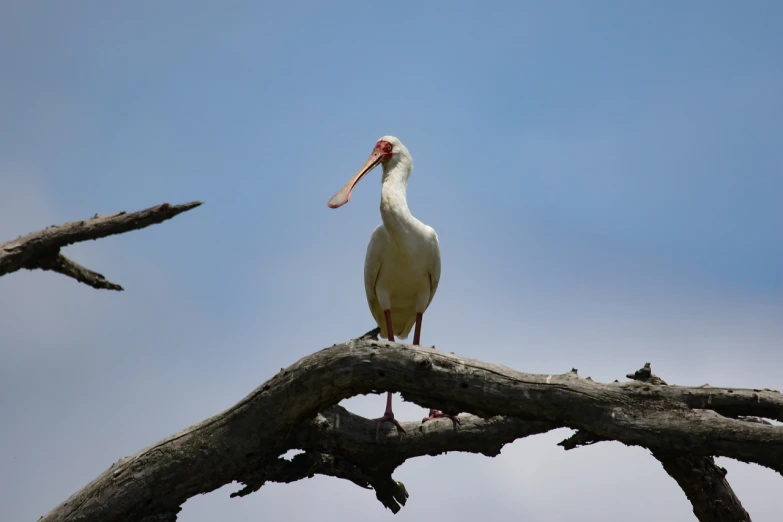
(605, 179)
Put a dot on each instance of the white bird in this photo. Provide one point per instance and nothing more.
(402, 264)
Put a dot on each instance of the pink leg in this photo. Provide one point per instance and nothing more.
(388, 415)
(417, 330)
(434, 414)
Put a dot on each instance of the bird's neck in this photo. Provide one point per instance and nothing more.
(396, 216)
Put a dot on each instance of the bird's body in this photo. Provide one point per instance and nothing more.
(402, 264)
(401, 274)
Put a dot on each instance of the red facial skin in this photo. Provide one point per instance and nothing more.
(385, 148)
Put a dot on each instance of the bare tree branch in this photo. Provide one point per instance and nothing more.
(246, 441)
(705, 485)
(341, 444)
(65, 266)
(41, 250)
(702, 481)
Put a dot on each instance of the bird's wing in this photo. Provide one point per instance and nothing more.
(372, 267)
(435, 270)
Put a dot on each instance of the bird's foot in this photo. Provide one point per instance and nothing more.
(436, 414)
(387, 417)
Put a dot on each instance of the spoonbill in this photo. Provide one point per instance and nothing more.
(402, 264)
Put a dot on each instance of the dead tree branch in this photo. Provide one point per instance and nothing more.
(702, 481)
(705, 485)
(341, 444)
(41, 250)
(683, 426)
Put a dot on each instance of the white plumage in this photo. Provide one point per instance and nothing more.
(402, 264)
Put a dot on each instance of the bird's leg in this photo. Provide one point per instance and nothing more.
(417, 331)
(388, 415)
(434, 414)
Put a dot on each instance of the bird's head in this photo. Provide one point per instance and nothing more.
(388, 151)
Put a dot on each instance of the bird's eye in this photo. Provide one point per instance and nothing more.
(388, 147)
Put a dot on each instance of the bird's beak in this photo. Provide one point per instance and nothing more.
(342, 197)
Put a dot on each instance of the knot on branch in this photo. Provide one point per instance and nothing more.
(645, 374)
(580, 438)
(424, 362)
(44, 260)
(372, 334)
(391, 493)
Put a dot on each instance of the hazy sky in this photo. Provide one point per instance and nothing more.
(605, 178)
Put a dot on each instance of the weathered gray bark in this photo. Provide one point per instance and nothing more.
(243, 444)
(705, 485)
(702, 481)
(683, 427)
